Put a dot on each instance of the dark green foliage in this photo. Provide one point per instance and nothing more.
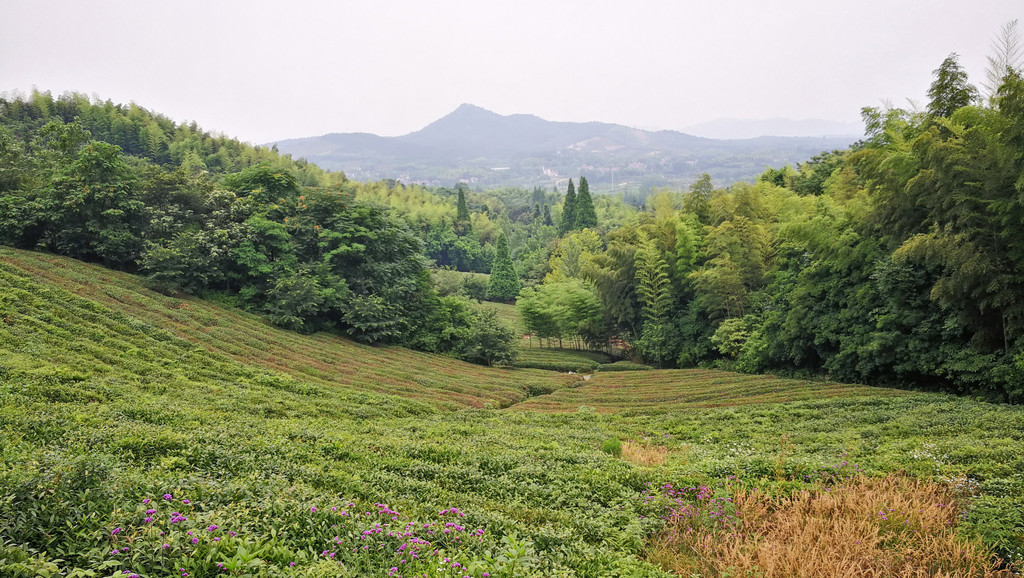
(950, 90)
(462, 211)
(586, 217)
(94, 208)
(461, 252)
(504, 282)
(568, 222)
(308, 257)
(897, 263)
(475, 287)
(777, 177)
(810, 180)
(446, 328)
(263, 185)
(489, 341)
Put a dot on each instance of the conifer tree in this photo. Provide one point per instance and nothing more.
(568, 221)
(462, 223)
(586, 216)
(462, 212)
(547, 216)
(504, 284)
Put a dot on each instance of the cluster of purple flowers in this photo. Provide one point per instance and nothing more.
(151, 522)
(695, 506)
(408, 542)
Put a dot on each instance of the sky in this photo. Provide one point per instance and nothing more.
(265, 71)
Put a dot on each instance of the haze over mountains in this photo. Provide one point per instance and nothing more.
(737, 128)
(492, 150)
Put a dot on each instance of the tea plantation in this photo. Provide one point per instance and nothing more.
(151, 435)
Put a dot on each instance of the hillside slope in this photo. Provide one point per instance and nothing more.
(116, 326)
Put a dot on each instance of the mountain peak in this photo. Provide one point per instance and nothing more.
(468, 113)
(467, 107)
(467, 119)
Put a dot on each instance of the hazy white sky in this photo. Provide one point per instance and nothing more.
(265, 71)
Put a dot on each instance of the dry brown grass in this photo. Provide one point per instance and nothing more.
(643, 454)
(870, 527)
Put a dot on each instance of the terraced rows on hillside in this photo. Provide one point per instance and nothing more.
(669, 390)
(112, 396)
(110, 301)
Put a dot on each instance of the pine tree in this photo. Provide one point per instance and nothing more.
(504, 284)
(538, 196)
(462, 212)
(568, 221)
(547, 216)
(536, 211)
(586, 216)
(462, 224)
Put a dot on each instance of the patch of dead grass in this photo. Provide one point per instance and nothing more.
(644, 454)
(869, 527)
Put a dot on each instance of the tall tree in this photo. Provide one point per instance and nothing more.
(504, 284)
(568, 222)
(950, 89)
(96, 208)
(586, 217)
(659, 337)
(462, 219)
(698, 200)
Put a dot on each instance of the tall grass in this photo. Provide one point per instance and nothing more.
(644, 454)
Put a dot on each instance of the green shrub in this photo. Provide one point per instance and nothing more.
(612, 446)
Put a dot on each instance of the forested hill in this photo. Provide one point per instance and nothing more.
(493, 150)
(139, 133)
(208, 215)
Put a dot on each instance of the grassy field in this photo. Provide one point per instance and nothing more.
(162, 436)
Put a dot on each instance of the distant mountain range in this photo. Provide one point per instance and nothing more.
(735, 128)
(492, 150)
